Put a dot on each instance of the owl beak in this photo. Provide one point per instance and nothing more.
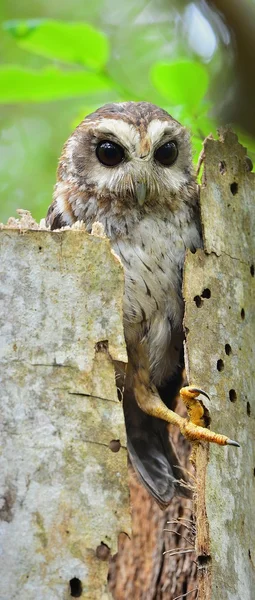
(141, 192)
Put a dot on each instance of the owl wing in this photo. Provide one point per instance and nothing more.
(60, 213)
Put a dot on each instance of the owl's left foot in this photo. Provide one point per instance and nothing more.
(194, 428)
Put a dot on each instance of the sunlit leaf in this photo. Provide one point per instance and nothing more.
(182, 82)
(23, 85)
(77, 43)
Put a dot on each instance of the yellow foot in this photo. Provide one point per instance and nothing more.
(194, 428)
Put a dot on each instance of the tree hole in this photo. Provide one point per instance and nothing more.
(228, 349)
(204, 560)
(248, 408)
(232, 395)
(252, 270)
(114, 445)
(40, 248)
(198, 301)
(234, 188)
(75, 587)
(220, 365)
(248, 163)
(206, 293)
(103, 551)
(242, 314)
(222, 167)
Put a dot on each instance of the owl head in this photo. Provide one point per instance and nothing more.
(124, 156)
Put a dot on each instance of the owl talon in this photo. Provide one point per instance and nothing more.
(194, 428)
(232, 443)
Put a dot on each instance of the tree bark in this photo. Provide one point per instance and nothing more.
(220, 326)
(63, 481)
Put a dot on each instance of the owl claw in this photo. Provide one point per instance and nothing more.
(195, 428)
(195, 391)
(232, 443)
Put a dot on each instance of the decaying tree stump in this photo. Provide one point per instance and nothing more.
(63, 482)
(220, 325)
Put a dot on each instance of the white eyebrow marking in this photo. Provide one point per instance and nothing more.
(157, 129)
(126, 133)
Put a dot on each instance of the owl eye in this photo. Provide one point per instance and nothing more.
(109, 153)
(167, 154)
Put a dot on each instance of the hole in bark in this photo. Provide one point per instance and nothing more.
(228, 349)
(243, 314)
(252, 270)
(40, 248)
(101, 346)
(220, 365)
(234, 188)
(75, 587)
(206, 293)
(249, 554)
(204, 560)
(232, 395)
(193, 250)
(198, 301)
(114, 445)
(103, 551)
(222, 167)
(248, 408)
(248, 163)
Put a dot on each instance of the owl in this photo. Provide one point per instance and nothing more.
(129, 166)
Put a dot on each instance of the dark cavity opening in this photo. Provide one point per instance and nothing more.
(232, 395)
(252, 270)
(234, 188)
(114, 445)
(243, 314)
(103, 551)
(228, 349)
(198, 301)
(220, 365)
(206, 293)
(75, 587)
(204, 560)
(222, 167)
(248, 408)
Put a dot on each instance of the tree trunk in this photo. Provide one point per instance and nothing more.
(63, 480)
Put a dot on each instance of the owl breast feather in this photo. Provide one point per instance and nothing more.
(153, 257)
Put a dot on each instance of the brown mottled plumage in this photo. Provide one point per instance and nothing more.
(129, 167)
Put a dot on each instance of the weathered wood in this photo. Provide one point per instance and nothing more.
(220, 328)
(154, 564)
(64, 491)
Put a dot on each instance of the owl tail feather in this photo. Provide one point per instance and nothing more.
(152, 454)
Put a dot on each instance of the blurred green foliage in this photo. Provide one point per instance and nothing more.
(56, 71)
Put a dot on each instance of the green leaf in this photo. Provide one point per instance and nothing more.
(77, 43)
(23, 85)
(182, 82)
